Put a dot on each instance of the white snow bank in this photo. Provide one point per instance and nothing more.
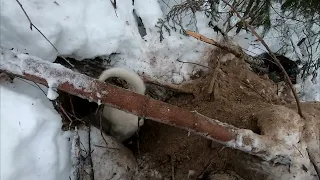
(33, 147)
(310, 88)
(89, 28)
(110, 158)
(85, 28)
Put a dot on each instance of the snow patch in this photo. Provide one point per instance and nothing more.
(33, 147)
(90, 28)
(110, 159)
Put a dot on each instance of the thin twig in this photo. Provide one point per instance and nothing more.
(65, 113)
(87, 154)
(172, 167)
(84, 148)
(32, 25)
(313, 162)
(174, 87)
(76, 156)
(200, 37)
(72, 108)
(138, 142)
(206, 168)
(272, 55)
(194, 64)
(67, 61)
(255, 91)
(298, 150)
(38, 87)
(114, 4)
(214, 77)
(91, 174)
(106, 147)
(101, 132)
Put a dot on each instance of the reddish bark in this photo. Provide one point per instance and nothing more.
(40, 71)
(142, 106)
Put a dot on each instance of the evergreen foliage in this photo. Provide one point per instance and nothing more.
(256, 13)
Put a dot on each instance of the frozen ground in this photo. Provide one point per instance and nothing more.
(86, 29)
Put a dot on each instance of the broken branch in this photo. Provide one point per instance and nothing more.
(214, 77)
(200, 37)
(235, 50)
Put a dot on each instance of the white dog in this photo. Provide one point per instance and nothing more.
(123, 124)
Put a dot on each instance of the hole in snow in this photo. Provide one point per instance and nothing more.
(141, 28)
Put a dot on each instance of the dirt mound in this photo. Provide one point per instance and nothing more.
(237, 95)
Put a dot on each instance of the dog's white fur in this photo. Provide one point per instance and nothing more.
(123, 124)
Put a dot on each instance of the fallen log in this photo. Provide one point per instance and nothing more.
(57, 76)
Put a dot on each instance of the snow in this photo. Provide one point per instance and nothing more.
(311, 90)
(82, 29)
(149, 11)
(110, 159)
(52, 94)
(33, 146)
(91, 28)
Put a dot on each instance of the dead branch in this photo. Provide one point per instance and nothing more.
(32, 25)
(197, 64)
(270, 52)
(214, 77)
(114, 5)
(172, 157)
(55, 75)
(234, 50)
(76, 156)
(178, 88)
(315, 163)
(89, 155)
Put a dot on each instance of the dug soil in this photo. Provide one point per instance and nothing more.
(166, 152)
